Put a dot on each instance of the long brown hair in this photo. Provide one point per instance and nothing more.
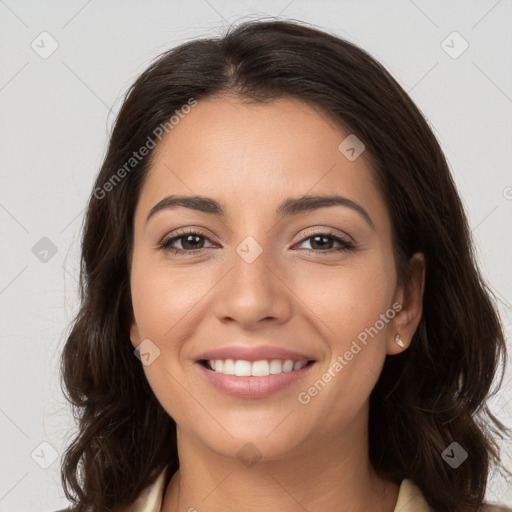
(427, 397)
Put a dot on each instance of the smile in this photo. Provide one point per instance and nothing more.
(252, 380)
(263, 368)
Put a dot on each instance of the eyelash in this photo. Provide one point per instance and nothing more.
(166, 244)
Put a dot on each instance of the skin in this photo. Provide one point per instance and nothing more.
(251, 157)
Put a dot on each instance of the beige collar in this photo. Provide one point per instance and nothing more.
(410, 498)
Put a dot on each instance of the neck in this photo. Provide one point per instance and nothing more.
(325, 475)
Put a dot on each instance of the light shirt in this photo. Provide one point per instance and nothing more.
(410, 498)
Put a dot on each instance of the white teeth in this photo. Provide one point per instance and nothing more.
(299, 364)
(242, 368)
(229, 367)
(288, 366)
(260, 369)
(276, 366)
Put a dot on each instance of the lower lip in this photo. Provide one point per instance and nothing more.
(253, 387)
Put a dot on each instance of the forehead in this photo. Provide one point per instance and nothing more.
(253, 154)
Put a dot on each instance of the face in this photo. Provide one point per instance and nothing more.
(263, 283)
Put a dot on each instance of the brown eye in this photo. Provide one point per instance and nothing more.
(193, 241)
(322, 242)
(190, 241)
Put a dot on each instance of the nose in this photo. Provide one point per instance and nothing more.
(254, 292)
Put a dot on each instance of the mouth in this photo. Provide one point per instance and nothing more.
(252, 380)
(262, 368)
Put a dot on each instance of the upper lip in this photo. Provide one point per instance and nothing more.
(258, 353)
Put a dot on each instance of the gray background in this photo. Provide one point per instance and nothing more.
(56, 113)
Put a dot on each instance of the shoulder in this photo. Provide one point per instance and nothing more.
(150, 499)
(492, 507)
(411, 499)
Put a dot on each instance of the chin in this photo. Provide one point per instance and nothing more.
(251, 440)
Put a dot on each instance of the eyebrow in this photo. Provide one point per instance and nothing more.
(291, 206)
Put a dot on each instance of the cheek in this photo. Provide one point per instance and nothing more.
(349, 305)
(348, 308)
(162, 298)
(348, 300)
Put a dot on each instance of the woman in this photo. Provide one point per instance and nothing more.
(280, 305)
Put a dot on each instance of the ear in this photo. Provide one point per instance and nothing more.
(410, 295)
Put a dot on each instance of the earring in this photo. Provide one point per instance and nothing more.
(399, 341)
